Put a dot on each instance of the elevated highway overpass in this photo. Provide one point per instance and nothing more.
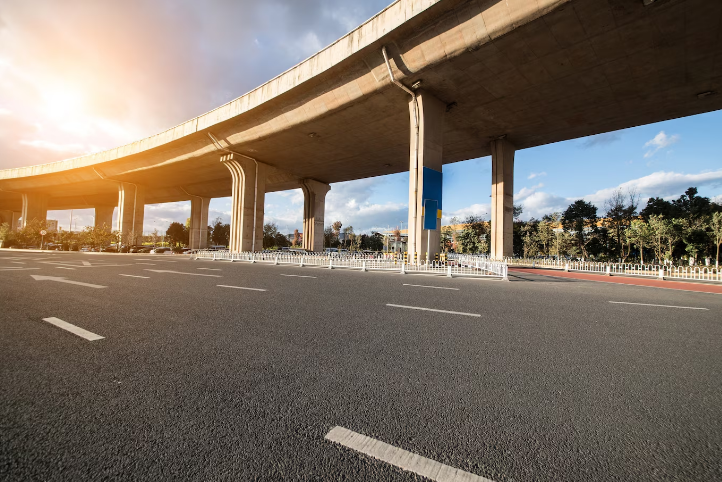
(422, 84)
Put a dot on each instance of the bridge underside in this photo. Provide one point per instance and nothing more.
(581, 67)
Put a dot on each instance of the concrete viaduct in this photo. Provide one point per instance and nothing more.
(422, 84)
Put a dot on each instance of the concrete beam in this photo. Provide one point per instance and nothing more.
(502, 198)
(131, 211)
(247, 200)
(429, 113)
(198, 236)
(314, 206)
(35, 206)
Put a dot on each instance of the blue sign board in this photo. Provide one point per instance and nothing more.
(431, 207)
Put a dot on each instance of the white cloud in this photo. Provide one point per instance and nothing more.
(668, 185)
(536, 174)
(660, 141)
(482, 210)
(4, 111)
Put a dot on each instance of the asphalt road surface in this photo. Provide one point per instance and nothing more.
(196, 381)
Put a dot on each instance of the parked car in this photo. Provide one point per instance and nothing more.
(159, 250)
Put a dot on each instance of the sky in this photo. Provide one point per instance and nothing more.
(78, 77)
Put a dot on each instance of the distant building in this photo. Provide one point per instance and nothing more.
(52, 225)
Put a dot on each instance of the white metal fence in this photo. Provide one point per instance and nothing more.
(463, 266)
(700, 273)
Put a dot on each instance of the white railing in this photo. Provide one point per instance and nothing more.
(699, 273)
(467, 266)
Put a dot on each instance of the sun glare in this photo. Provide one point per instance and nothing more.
(63, 102)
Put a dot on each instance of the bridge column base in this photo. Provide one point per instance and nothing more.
(198, 236)
(502, 198)
(104, 216)
(131, 211)
(314, 206)
(35, 206)
(248, 197)
(425, 177)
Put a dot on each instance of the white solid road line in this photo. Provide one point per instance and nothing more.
(15, 268)
(63, 267)
(432, 309)
(436, 287)
(210, 269)
(661, 306)
(297, 276)
(147, 264)
(401, 458)
(76, 330)
(240, 288)
(134, 276)
(182, 272)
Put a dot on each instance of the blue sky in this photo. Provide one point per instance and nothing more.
(85, 85)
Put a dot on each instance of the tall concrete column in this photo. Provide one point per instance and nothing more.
(248, 197)
(502, 198)
(15, 221)
(35, 206)
(425, 178)
(131, 210)
(104, 216)
(314, 206)
(198, 236)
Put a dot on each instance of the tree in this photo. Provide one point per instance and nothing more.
(446, 238)
(472, 237)
(518, 209)
(620, 210)
(581, 219)
(715, 233)
(270, 230)
(221, 233)
(337, 229)
(545, 235)
(296, 238)
(530, 246)
(7, 236)
(155, 237)
(641, 234)
(177, 233)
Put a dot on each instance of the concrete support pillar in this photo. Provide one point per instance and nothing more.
(131, 210)
(198, 236)
(15, 220)
(502, 198)
(35, 206)
(425, 178)
(248, 197)
(104, 216)
(314, 206)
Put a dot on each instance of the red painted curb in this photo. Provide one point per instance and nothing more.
(654, 283)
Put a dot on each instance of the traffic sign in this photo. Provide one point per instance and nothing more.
(43, 232)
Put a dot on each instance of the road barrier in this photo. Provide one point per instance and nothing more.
(698, 273)
(459, 266)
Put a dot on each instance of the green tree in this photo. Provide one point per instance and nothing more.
(641, 234)
(177, 233)
(7, 236)
(620, 210)
(716, 233)
(220, 233)
(581, 219)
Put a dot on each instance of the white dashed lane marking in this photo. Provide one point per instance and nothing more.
(434, 310)
(75, 330)
(401, 458)
(659, 306)
(240, 288)
(435, 287)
